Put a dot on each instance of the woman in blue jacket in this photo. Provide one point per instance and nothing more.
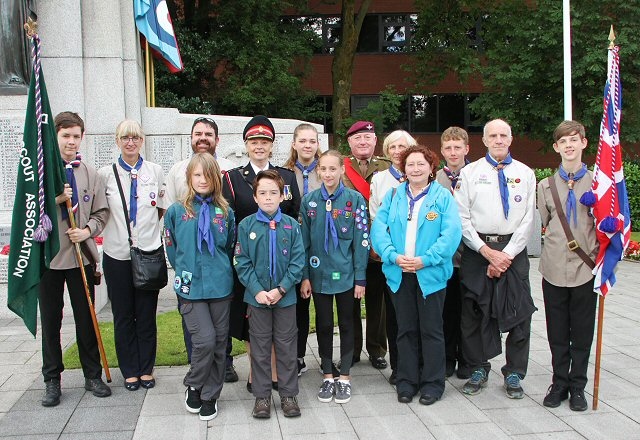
(416, 231)
(199, 238)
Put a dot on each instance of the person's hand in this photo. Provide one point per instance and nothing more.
(65, 195)
(274, 296)
(78, 235)
(263, 298)
(405, 263)
(493, 272)
(305, 289)
(417, 264)
(358, 292)
(498, 259)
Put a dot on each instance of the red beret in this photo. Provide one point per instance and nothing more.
(259, 127)
(361, 127)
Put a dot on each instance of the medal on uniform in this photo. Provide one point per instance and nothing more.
(272, 225)
(328, 205)
(134, 173)
(287, 192)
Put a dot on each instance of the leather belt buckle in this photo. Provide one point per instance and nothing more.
(492, 238)
(573, 245)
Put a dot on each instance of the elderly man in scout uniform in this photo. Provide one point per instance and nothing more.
(359, 170)
(497, 201)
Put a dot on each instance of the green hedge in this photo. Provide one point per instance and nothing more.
(632, 178)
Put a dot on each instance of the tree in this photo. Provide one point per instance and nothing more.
(520, 60)
(342, 67)
(240, 57)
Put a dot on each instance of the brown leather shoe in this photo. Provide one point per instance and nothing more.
(262, 408)
(290, 406)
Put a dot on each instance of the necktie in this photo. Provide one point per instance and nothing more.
(71, 180)
(571, 178)
(133, 195)
(413, 200)
(397, 174)
(363, 164)
(273, 239)
(329, 225)
(502, 180)
(204, 225)
(305, 174)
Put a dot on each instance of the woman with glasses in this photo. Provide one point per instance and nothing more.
(134, 310)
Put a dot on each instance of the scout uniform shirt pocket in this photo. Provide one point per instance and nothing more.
(147, 190)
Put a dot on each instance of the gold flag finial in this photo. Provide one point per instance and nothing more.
(31, 27)
(612, 37)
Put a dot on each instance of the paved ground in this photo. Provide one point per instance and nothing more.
(373, 412)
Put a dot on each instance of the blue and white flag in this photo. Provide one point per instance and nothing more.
(154, 23)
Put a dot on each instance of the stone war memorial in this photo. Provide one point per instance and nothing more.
(93, 64)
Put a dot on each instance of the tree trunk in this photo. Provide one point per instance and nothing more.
(342, 67)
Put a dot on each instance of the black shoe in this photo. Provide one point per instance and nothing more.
(428, 399)
(302, 367)
(209, 409)
(378, 362)
(274, 385)
(147, 384)
(97, 387)
(555, 395)
(249, 386)
(355, 360)
(132, 386)
(192, 400)
(450, 368)
(405, 397)
(52, 393)
(577, 401)
(230, 374)
(393, 378)
(463, 371)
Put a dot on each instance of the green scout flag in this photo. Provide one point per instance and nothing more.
(31, 251)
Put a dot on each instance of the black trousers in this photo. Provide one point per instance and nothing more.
(376, 337)
(419, 321)
(51, 298)
(134, 319)
(570, 314)
(451, 318)
(324, 329)
(302, 320)
(392, 328)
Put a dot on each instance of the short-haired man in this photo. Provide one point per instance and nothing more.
(567, 280)
(359, 170)
(204, 139)
(454, 147)
(89, 202)
(497, 200)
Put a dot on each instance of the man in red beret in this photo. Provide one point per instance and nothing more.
(359, 169)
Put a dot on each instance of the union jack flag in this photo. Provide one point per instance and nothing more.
(154, 23)
(611, 208)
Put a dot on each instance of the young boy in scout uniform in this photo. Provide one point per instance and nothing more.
(569, 299)
(335, 230)
(269, 258)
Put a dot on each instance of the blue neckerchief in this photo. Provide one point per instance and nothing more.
(204, 225)
(502, 180)
(452, 175)
(261, 216)
(305, 173)
(71, 180)
(570, 178)
(133, 196)
(413, 200)
(329, 225)
(397, 174)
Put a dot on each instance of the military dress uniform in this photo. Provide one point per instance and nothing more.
(335, 271)
(271, 325)
(376, 338)
(238, 190)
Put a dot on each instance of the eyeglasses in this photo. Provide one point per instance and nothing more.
(127, 139)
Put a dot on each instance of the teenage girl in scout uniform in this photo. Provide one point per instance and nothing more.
(269, 258)
(199, 238)
(336, 238)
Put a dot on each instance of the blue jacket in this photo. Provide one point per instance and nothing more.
(200, 275)
(251, 259)
(438, 236)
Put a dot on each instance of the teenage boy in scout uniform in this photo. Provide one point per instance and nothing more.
(569, 299)
(269, 258)
(359, 170)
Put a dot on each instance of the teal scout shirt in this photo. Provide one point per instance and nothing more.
(200, 275)
(251, 259)
(341, 268)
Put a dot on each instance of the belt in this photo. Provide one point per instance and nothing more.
(494, 238)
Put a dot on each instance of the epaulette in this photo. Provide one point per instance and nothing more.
(279, 168)
(380, 158)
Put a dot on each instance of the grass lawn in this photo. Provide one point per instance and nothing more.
(635, 236)
(171, 349)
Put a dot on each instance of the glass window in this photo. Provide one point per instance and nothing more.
(424, 113)
(369, 34)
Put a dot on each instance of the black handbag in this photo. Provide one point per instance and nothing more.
(149, 268)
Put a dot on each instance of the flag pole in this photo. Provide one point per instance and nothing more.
(152, 74)
(566, 46)
(92, 311)
(146, 72)
(596, 374)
